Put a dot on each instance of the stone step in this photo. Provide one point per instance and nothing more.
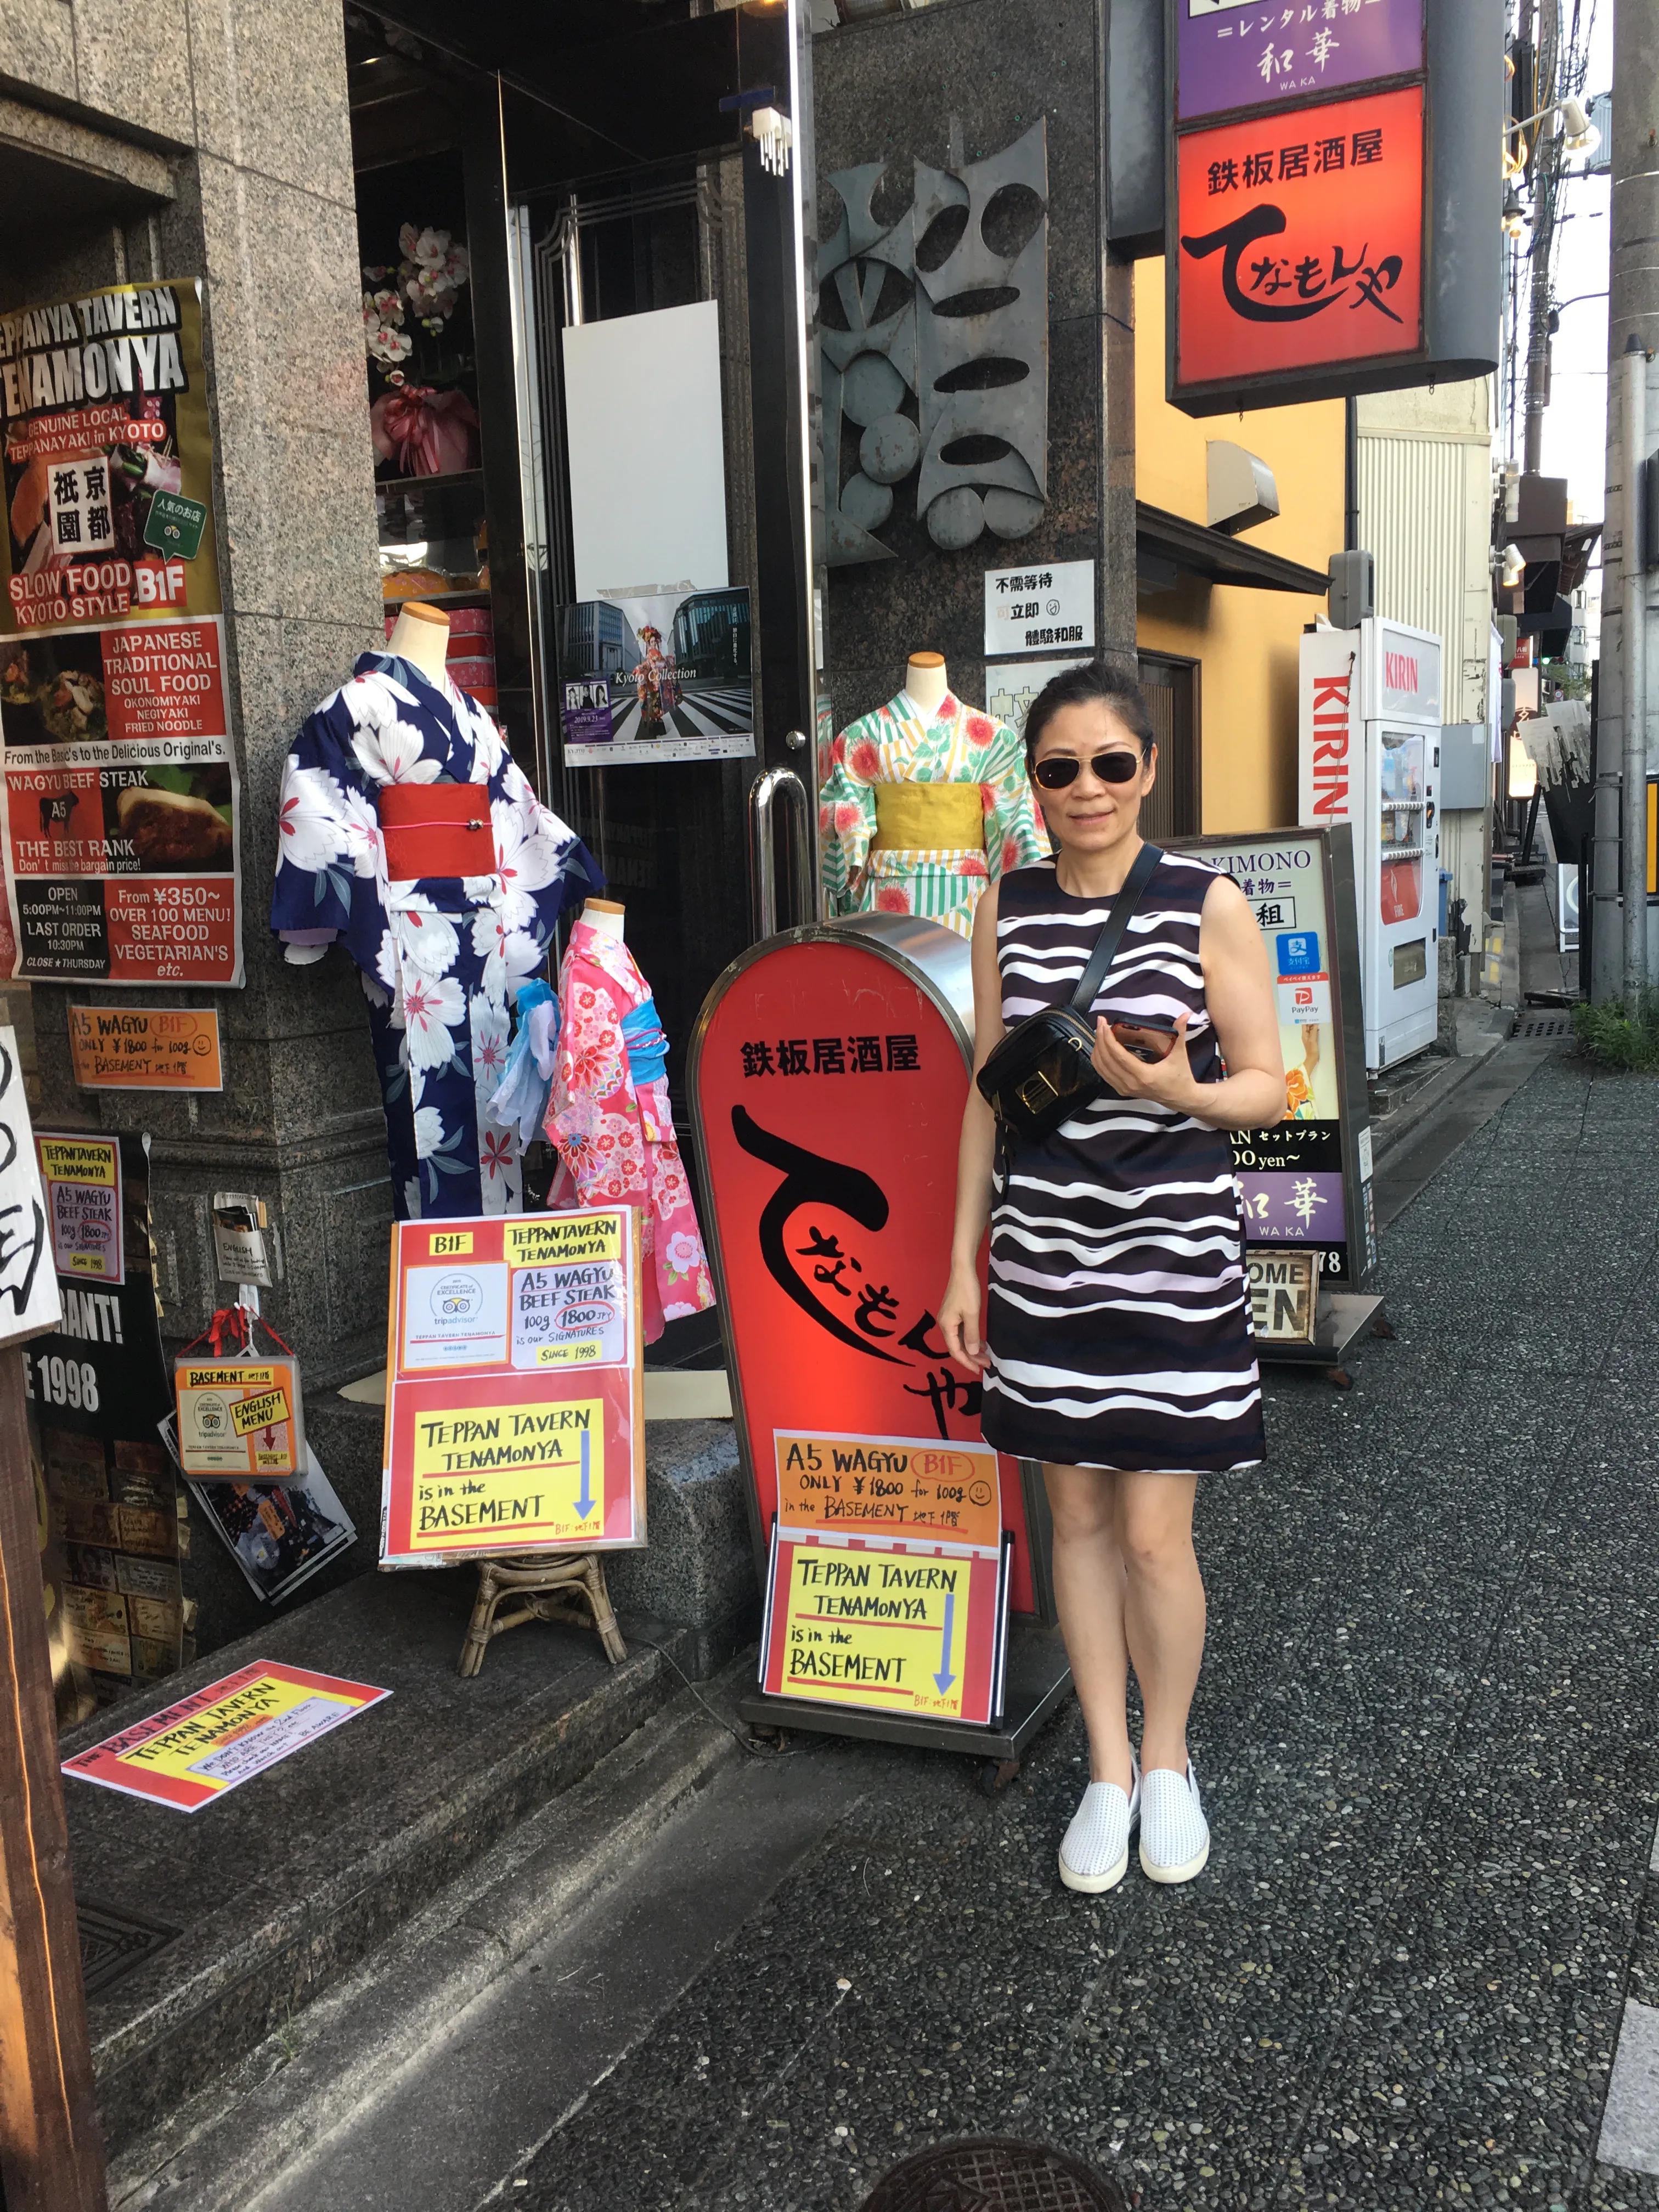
(279, 1889)
(304, 2083)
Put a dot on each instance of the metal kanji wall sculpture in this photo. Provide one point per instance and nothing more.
(935, 333)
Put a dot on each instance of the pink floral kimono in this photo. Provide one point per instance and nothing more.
(609, 1117)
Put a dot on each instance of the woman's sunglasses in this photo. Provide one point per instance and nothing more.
(1062, 768)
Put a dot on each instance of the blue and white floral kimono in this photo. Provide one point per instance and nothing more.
(440, 955)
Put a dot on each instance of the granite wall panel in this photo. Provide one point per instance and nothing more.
(244, 102)
(897, 88)
(38, 39)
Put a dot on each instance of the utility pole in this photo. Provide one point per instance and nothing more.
(1546, 171)
(1622, 752)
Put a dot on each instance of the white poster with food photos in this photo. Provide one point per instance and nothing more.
(120, 785)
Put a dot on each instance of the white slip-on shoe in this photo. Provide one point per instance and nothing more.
(1095, 1855)
(1175, 1836)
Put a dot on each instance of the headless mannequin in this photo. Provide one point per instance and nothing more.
(421, 636)
(927, 683)
(605, 916)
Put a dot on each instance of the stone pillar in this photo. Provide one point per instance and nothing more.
(246, 99)
(895, 88)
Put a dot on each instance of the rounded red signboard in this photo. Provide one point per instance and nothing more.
(829, 1081)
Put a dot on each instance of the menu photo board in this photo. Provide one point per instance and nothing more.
(120, 781)
(515, 1400)
(1306, 1181)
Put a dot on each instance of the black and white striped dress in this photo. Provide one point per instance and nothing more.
(1119, 1323)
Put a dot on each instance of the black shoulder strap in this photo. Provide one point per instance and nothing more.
(1112, 929)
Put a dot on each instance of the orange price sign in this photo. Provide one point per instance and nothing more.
(146, 1048)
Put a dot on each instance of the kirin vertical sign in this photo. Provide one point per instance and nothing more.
(1306, 255)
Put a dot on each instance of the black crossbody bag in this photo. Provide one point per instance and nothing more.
(1044, 1072)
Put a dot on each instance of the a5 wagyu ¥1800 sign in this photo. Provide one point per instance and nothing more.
(1332, 198)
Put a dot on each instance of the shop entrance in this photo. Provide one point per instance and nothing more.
(669, 833)
(632, 529)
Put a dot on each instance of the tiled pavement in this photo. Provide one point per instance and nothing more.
(1427, 1734)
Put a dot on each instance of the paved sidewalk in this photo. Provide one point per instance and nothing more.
(1427, 1736)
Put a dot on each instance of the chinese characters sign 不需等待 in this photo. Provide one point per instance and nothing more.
(1241, 53)
(514, 1419)
(1301, 239)
(1034, 609)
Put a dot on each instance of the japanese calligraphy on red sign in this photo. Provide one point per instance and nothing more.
(1300, 241)
(829, 1092)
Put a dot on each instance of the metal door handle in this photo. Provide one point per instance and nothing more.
(762, 860)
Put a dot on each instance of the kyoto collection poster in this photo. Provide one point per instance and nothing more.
(665, 677)
(121, 779)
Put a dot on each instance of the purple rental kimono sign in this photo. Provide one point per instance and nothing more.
(1243, 53)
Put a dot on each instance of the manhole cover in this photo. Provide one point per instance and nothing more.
(991, 2175)
(113, 1943)
(1545, 1026)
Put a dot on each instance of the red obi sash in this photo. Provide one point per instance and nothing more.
(436, 830)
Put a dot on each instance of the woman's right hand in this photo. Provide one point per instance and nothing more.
(959, 1321)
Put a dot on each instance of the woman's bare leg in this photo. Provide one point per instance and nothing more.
(1164, 1605)
(1089, 1590)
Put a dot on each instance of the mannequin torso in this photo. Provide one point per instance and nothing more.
(604, 916)
(421, 636)
(927, 683)
(926, 802)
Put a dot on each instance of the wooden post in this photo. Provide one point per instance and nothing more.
(51, 2157)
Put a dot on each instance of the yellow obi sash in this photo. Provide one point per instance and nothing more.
(929, 817)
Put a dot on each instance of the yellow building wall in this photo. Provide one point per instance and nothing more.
(1248, 641)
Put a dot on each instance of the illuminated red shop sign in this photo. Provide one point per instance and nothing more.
(1300, 246)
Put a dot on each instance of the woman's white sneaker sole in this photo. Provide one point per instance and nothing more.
(1172, 1873)
(1093, 1885)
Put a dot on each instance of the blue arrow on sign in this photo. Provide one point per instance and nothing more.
(584, 1495)
(944, 1677)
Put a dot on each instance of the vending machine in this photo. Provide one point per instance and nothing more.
(1370, 718)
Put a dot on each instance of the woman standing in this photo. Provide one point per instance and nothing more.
(1118, 1350)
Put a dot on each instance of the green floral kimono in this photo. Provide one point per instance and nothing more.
(898, 839)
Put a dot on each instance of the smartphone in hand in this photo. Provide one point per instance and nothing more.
(1152, 1038)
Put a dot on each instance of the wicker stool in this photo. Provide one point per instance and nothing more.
(568, 1586)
